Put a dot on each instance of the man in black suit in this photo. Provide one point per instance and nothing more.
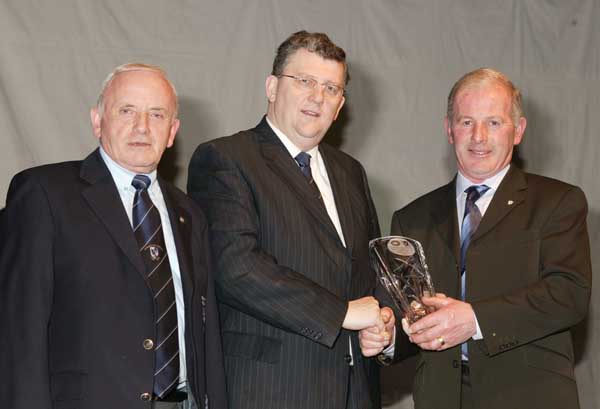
(290, 220)
(511, 251)
(105, 280)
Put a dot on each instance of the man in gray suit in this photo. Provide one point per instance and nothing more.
(511, 251)
(290, 220)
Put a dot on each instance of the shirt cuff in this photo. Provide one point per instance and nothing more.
(478, 334)
(389, 351)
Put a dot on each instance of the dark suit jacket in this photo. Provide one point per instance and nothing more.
(528, 280)
(75, 304)
(283, 276)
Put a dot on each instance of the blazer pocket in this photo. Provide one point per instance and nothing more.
(517, 237)
(250, 346)
(549, 360)
(67, 386)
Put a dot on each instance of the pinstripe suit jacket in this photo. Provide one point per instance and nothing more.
(528, 281)
(283, 276)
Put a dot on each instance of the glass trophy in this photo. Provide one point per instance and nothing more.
(402, 270)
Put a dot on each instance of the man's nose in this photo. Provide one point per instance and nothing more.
(318, 93)
(480, 133)
(141, 124)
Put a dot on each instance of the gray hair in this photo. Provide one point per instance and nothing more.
(485, 76)
(134, 67)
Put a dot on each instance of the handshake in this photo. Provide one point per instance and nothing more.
(365, 315)
(450, 323)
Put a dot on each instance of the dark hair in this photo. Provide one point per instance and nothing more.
(317, 43)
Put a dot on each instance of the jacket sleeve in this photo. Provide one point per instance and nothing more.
(248, 278)
(26, 290)
(559, 298)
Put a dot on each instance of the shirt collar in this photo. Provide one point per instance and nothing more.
(289, 145)
(462, 183)
(122, 176)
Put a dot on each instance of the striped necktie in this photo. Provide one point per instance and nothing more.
(303, 160)
(147, 227)
(471, 220)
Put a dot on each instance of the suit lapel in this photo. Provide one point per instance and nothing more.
(339, 185)
(445, 218)
(509, 195)
(103, 197)
(181, 225)
(283, 165)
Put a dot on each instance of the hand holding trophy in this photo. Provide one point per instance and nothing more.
(402, 270)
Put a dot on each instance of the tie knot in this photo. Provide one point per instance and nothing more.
(474, 192)
(303, 159)
(140, 182)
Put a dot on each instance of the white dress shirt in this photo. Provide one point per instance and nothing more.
(462, 183)
(122, 178)
(319, 174)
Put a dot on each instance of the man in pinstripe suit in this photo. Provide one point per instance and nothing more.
(290, 220)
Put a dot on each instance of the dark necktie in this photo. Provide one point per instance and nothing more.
(471, 220)
(147, 227)
(303, 160)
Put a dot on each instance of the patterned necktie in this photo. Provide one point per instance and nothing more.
(147, 227)
(471, 220)
(303, 160)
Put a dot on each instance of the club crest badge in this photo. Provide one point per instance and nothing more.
(155, 252)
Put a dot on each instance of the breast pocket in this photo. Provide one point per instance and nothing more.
(506, 262)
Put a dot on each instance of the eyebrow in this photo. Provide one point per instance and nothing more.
(127, 105)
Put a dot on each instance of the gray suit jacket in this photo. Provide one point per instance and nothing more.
(283, 276)
(528, 280)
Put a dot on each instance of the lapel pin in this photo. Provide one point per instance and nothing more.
(510, 202)
(181, 219)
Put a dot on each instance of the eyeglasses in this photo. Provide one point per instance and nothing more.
(309, 83)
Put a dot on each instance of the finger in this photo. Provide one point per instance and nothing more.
(436, 302)
(371, 351)
(427, 322)
(391, 323)
(437, 344)
(366, 344)
(405, 326)
(379, 323)
(369, 336)
(387, 314)
(371, 330)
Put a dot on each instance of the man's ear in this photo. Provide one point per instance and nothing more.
(173, 132)
(96, 119)
(520, 130)
(448, 129)
(271, 87)
(339, 108)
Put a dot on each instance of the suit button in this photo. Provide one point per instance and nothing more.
(145, 396)
(347, 358)
(148, 344)
(455, 364)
